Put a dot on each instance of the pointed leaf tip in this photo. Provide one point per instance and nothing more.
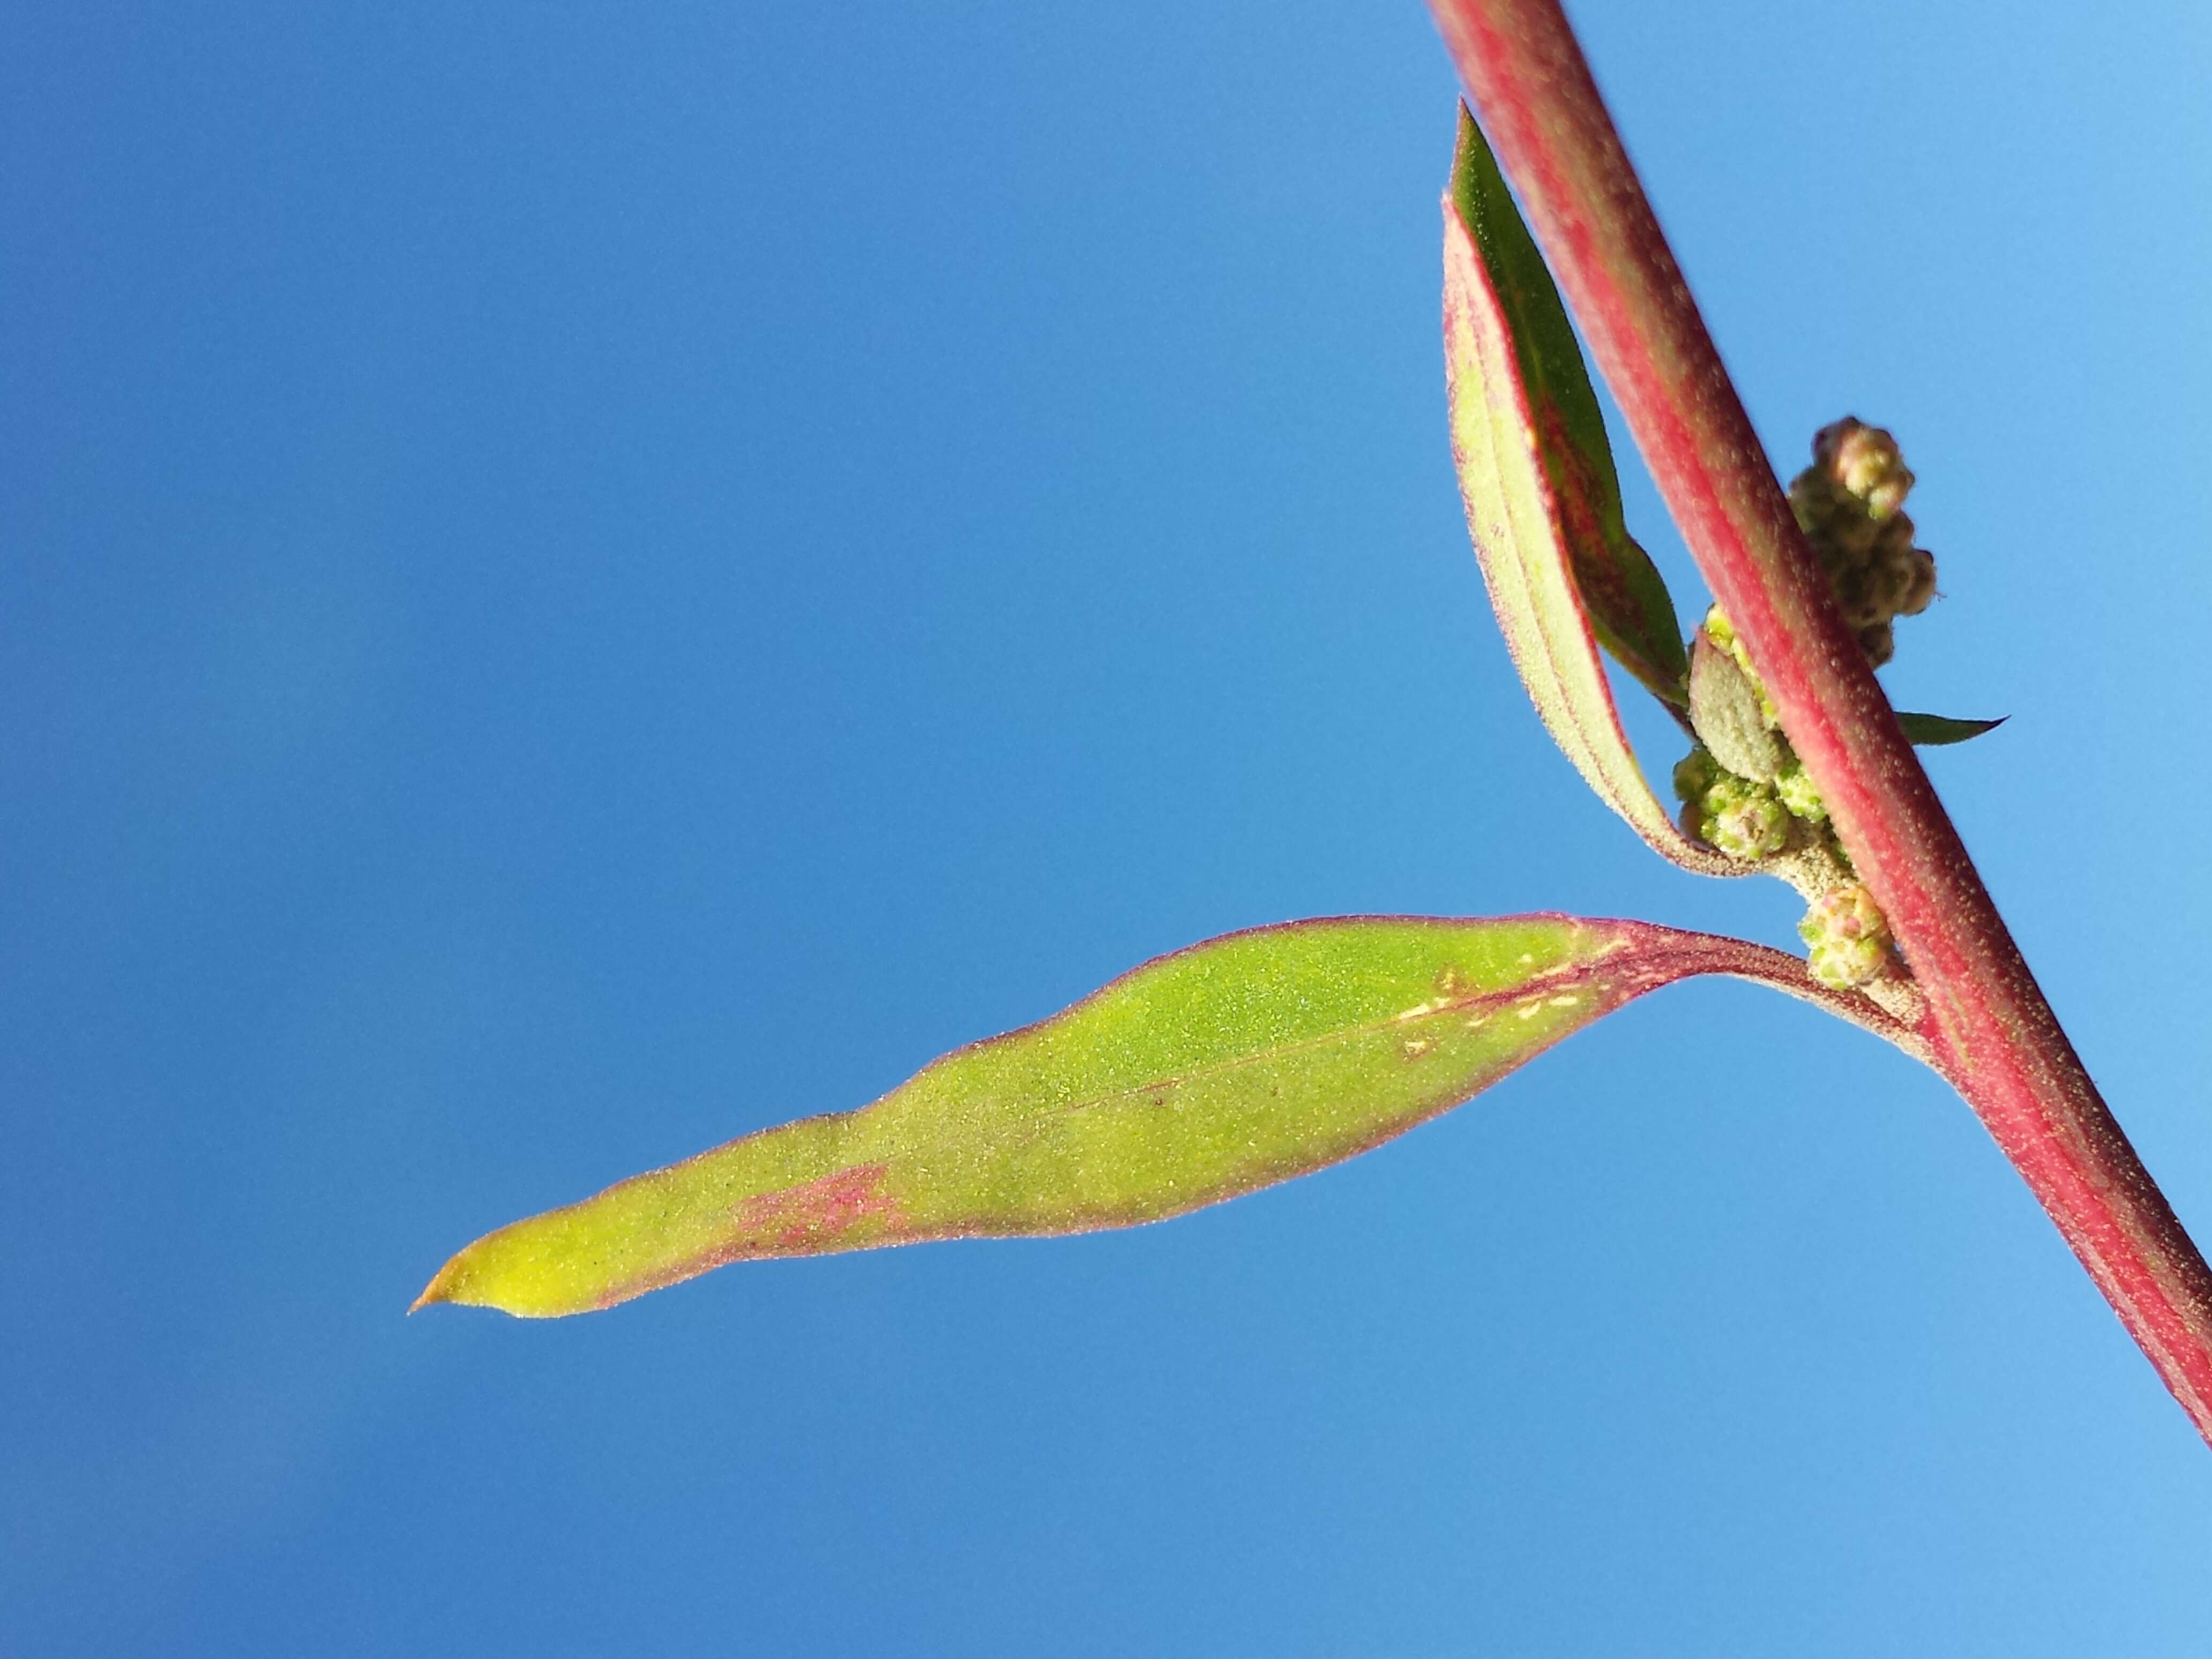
(1933, 730)
(440, 1288)
(1219, 1070)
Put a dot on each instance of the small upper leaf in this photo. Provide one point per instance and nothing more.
(1514, 514)
(1630, 609)
(1931, 731)
(1725, 711)
(1222, 1069)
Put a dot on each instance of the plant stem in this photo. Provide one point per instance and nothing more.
(1991, 1031)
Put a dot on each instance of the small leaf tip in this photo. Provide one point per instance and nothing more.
(436, 1291)
(450, 1287)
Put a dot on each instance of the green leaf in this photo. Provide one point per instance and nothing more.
(1628, 603)
(1932, 731)
(1724, 709)
(1513, 514)
(1222, 1069)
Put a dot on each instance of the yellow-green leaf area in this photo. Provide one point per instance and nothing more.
(1212, 1071)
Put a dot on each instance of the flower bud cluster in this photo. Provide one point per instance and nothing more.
(1782, 819)
(1741, 818)
(1847, 938)
(1744, 791)
(1851, 504)
(1793, 789)
(1735, 815)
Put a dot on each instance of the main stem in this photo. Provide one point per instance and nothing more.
(1992, 1032)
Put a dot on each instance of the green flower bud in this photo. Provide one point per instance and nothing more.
(1743, 819)
(1694, 774)
(1794, 790)
(1848, 938)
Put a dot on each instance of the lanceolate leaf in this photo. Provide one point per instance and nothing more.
(1226, 1067)
(1628, 603)
(1513, 514)
(1930, 730)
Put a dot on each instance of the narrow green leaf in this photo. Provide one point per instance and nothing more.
(1630, 609)
(1931, 731)
(1228, 1066)
(1513, 516)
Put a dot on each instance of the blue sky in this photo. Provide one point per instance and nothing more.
(578, 579)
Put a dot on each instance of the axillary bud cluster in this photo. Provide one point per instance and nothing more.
(1744, 791)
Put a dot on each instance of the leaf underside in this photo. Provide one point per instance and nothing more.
(1226, 1067)
(1629, 607)
(1520, 532)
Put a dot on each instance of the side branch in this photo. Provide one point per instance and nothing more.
(1993, 1033)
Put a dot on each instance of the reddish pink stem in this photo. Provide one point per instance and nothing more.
(1992, 1033)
